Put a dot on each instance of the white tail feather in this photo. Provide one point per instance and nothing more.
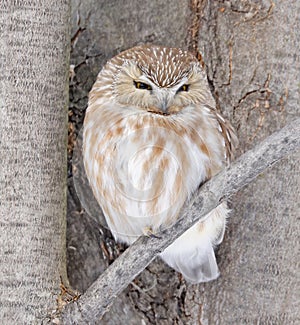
(192, 254)
(196, 265)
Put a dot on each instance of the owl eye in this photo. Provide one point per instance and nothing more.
(183, 88)
(141, 85)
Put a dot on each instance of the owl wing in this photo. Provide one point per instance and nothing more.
(229, 136)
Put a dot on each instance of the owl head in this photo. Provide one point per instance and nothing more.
(154, 79)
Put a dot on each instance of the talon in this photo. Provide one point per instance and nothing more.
(149, 232)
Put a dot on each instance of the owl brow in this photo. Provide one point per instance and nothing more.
(144, 68)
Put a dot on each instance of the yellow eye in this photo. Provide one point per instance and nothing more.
(183, 88)
(141, 85)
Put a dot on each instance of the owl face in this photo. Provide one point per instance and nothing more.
(158, 80)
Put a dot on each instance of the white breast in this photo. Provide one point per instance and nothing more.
(142, 171)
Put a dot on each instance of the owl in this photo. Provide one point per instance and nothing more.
(152, 136)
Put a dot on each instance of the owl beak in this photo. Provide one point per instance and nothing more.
(164, 105)
(159, 112)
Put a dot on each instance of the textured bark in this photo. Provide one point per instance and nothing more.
(253, 64)
(251, 51)
(33, 139)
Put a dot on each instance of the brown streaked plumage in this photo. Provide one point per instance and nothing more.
(151, 137)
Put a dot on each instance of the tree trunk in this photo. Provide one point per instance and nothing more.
(254, 67)
(251, 51)
(33, 122)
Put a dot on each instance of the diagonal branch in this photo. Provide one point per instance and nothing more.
(98, 298)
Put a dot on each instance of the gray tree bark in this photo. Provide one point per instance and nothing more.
(34, 52)
(251, 51)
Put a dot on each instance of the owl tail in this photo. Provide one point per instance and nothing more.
(196, 265)
(192, 254)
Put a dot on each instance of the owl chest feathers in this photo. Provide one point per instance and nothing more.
(149, 165)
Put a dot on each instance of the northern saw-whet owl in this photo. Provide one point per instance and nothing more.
(152, 136)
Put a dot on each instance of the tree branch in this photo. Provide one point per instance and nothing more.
(98, 298)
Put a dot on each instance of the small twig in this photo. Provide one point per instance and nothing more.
(98, 298)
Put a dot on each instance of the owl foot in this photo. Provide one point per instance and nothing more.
(147, 231)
